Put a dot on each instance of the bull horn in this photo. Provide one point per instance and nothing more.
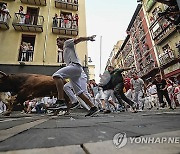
(2, 73)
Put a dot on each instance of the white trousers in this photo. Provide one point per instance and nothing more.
(72, 72)
(107, 95)
(138, 98)
(68, 89)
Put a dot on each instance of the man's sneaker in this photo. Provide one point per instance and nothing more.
(133, 108)
(140, 110)
(92, 111)
(74, 105)
(60, 104)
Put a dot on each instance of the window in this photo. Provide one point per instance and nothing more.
(32, 16)
(66, 20)
(60, 52)
(26, 50)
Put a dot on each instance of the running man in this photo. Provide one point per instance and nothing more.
(72, 71)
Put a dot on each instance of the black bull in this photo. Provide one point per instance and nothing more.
(27, 86)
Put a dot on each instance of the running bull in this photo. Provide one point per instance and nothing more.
(27, 86)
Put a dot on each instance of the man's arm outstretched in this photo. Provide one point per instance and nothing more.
(82, 39)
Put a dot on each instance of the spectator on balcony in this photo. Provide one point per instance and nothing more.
(151, 19)
(29, 55)
(170, 52)
(77, 19)
(55, 20)
(62, 23)
(4, 12)
(23, 51)
(74, 26)
(27, 18)
(75, 1)
(69, 23)
(161, 86)
(21, 15)
(66, 21)
(145, 46)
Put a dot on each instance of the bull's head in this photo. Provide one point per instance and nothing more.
(5, 83)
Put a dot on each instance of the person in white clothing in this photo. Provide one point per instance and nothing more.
(4, 13)
(177, 93)
(100, 99)
(21, 15)
(72, 71)
(137, 84)
(152, 96)
(74, 100)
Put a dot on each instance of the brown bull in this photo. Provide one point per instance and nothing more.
(27, 86)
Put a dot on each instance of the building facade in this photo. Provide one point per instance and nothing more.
(152, 43)
(125, 55)
(112, 57)
(166, 37)
(29, 30)
(144, 51)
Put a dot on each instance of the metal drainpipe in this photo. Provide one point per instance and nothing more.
(46, 36)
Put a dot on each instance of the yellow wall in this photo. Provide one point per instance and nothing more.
(45, 48)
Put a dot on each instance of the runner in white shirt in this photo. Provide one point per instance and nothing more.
(72, 71)
(152, 96)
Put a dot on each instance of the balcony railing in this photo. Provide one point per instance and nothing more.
(65, 28)
(165, 33)
(4, 20)
(34, 2)
(25, 56)
(149, 67)
(161, 29)
(166, 57)
(130, 60)
(29, 23)
(139, 56)
(67, 4)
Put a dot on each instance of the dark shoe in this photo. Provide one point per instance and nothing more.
(171, 108)
(60, 104)
(150, 108)
(134, 108)
(92, 111)
(163, 105)
(122, 109)
(101, 110)
(107, 111)
(74, 105)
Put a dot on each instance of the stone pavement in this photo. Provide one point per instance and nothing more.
(75, 134)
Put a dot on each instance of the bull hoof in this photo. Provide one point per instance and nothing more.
(6, 113)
